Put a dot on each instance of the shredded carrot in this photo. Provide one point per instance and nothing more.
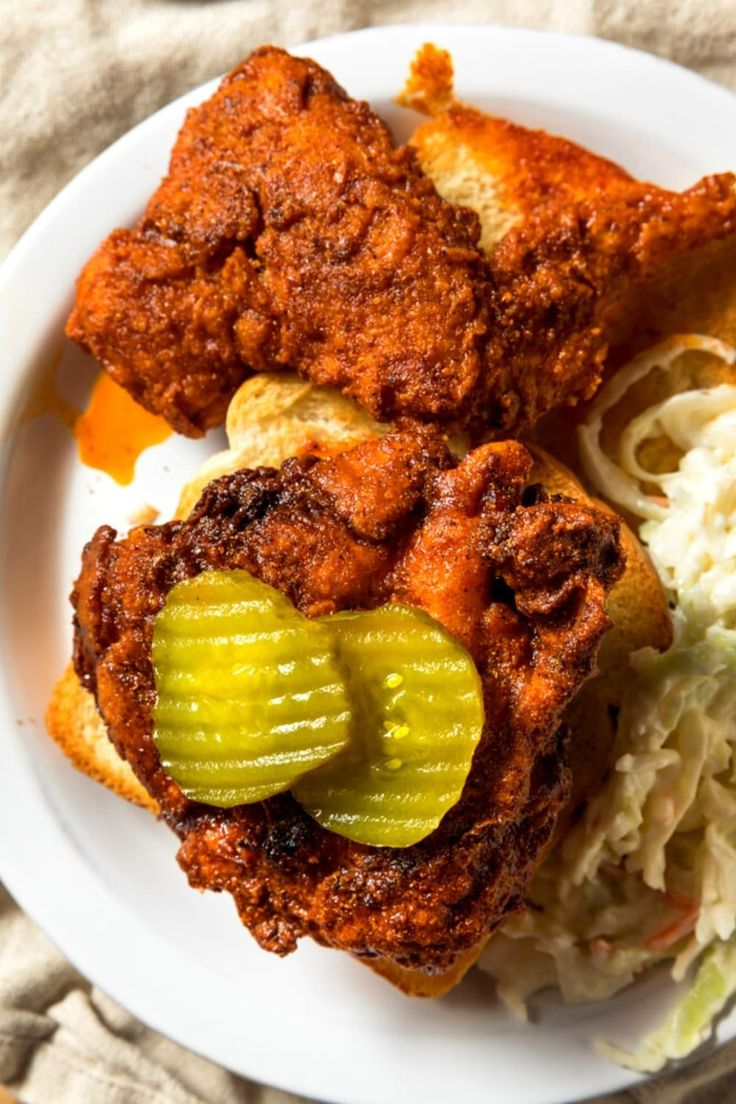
(663, 939)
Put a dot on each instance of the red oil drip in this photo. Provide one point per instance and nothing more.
(114, 430)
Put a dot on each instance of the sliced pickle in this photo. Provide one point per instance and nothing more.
(418, 707)
(251, 694)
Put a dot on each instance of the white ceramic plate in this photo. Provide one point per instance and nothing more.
(99, 875)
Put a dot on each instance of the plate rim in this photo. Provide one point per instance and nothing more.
(118, 976)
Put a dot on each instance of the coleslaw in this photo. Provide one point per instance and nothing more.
(648, 872)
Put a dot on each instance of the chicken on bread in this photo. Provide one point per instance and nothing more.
(578, 726)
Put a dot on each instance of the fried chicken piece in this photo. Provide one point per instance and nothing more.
(577, 246)
(291, 232)
(520, 580)
(502, 171)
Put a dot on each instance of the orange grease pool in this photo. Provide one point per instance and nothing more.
(114, 430)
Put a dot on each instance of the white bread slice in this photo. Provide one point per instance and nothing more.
(276, 415)
(501, 170)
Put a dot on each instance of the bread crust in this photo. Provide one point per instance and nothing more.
(77, 729)
(416, 983)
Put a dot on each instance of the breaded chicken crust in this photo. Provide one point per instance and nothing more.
(519, 579)
(290, 231)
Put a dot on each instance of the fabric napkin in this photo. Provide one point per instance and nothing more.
(76, 74)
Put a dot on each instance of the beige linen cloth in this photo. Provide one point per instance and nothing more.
(75, 74)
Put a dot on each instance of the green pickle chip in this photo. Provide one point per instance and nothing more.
(251, 694)
(418, 704)
(371, 718)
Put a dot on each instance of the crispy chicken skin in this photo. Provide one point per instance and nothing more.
(291, 231)
(519, 579)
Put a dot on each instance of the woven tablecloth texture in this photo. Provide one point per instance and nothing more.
(74, 75)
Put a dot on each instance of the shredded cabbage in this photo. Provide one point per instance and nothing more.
(648, 872)
(689, 1021)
